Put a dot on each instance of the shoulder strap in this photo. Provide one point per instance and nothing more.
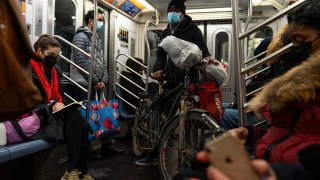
(293, 124)
(18, 129)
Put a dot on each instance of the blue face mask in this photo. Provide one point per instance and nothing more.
(174, 17)
(99, 26)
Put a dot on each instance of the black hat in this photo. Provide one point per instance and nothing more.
(179, 4)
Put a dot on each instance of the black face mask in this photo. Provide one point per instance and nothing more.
(301, 52)
(50, 61)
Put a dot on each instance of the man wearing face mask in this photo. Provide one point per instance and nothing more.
(181, 26)
(83, 40)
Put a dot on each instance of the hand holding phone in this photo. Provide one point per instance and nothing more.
(228, 155)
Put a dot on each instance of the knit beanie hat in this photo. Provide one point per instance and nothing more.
(179, 4)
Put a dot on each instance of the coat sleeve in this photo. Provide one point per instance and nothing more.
(105, 77)
(255, 134)
(199, 41)
(161, 56)
(81, 41)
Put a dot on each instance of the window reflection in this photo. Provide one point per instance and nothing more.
(222, 47)
(65, 13)
(154, 40)
(255, 39)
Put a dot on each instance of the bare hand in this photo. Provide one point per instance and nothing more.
(97, 87)
(57, 106)
(262, 168)
(158, 75)
(241, 133)
(102, 85)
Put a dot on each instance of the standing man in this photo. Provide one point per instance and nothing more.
(83, 40)
(181, 26)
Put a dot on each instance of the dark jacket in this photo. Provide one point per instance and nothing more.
(298, 90)
(187, 31)
(82, 39)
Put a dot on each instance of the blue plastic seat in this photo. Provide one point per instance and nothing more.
(124, 114)
(15, 151)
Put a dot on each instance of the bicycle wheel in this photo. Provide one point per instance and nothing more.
(144, 138)
(195, 128)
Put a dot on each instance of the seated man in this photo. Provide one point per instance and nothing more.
(137, 68)
(231, 115)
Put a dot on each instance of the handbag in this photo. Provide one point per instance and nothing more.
(23, 128)
(210, 98)
(18, 94)
(103, 117)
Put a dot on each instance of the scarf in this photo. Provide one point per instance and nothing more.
(52, 89)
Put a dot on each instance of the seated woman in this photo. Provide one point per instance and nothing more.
(46, 79)
(293, 99)
(131, 87)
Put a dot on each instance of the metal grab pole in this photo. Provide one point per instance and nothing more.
(94, 37)
(238, 62)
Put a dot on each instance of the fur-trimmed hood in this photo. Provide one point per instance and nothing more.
(298, 85)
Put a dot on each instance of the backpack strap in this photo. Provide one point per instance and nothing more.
(18, 129)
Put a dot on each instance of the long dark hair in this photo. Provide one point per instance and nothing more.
(307, 14)
(44, 42)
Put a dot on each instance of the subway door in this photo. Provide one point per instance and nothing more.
(219, 41)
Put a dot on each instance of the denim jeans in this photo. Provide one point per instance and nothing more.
(230, 118)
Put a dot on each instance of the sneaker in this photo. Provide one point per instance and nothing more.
(72, 175)
(146, 161)
(87, 177)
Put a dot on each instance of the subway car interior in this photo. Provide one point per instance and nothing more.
(132, 32)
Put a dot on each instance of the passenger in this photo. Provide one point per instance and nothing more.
(230, 118)
(46, 79)
(181, 26)
(293, 99)
(128, 85)
(83, 40)
(277, 68)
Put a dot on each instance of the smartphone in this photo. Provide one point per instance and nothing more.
(228, 155)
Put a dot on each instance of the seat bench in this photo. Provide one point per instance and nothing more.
(14, 151)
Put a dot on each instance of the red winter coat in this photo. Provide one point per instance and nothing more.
(295, 94)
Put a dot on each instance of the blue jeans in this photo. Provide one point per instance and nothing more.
(230, 118)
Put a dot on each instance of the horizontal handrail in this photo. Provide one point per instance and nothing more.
(268, 58)
(255, 57)
(257, 73)
(127, 90)
(255, 91)
(74, 64)
(68, 96)
(125, 100)
(130, 80)
(141, 64)
(72, 45)
(75, 83)
(271, 19)
(130, 69)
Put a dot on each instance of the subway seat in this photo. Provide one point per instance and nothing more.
(14, 151)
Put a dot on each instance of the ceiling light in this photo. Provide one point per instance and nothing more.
(256, 2)
(208, 10)
(146, 4)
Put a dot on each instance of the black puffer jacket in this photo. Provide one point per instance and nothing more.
(187, 31)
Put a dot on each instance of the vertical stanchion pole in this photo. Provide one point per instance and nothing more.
(92, 63)
(238, 61)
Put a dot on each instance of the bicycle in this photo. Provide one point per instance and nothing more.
(176, 146)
